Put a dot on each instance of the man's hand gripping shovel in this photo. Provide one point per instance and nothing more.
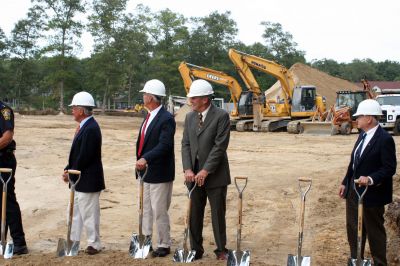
(140, 244)
(299, 260)
(6, 248)
(239, 257)
(69, 247)
(184, 255)
(359, 261)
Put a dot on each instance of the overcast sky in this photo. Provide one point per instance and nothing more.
(341, 30)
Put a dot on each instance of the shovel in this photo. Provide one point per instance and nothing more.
(140, 245)
(238, 257)
(69, 247)
(359, 261)
(299, 260)
(6, 248)
(184, 255)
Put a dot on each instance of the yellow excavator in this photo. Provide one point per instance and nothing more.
(294, 103)
(241, 99)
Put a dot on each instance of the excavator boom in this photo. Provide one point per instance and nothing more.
(189, 72)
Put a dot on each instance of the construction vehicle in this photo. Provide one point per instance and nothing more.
(242, 100)
(296, 103)
(339, 118)
(390, 104)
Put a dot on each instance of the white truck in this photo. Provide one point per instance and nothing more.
(390, 104)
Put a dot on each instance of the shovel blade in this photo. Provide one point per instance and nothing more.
(63, 249)
(304, 261)
(7, 250)
(362, 262)
(184, 256)
(238, 258)
(140, 246)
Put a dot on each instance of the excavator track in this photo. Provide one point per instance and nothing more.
(274, 125)
(294, 127)
(244, 125)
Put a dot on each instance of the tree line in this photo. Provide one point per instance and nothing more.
(39, 68)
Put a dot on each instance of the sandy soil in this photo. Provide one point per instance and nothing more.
(271, 161)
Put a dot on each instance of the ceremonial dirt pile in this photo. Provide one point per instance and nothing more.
(272, 162)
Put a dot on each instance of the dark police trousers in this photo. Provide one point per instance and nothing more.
(14, 221)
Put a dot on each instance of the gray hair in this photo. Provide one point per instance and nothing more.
(88, 111)
(156, 98)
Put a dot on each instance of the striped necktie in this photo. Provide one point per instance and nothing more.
(358, 151)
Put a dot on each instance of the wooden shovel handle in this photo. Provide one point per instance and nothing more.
(73, 172)
(5, 170)
(304, 179)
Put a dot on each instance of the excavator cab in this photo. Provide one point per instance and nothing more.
(245, 105)
(304, 99)
(350, 99)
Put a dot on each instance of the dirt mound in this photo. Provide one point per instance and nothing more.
(326, 85)
(181, 114)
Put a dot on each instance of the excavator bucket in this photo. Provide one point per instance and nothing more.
(319, 128)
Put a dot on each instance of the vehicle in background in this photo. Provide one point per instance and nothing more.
(390, 104)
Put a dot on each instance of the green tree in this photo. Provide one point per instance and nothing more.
(169, 34)
(64, 31)
(388, 70)
(359, 69)
(104, 23)
(23, 46)
(281, 45)
(329, 66)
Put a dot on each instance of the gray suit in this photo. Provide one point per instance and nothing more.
(205, 148)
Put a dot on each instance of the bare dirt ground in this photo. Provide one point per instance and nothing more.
(271, 161)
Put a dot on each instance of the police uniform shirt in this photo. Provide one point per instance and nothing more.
(6, 123)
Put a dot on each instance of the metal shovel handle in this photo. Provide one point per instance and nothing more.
(360, 196)
(240, 208)
(73, 172)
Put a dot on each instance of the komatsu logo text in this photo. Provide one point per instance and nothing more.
(258, 65)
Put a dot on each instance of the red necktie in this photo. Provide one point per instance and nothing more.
(142, 134)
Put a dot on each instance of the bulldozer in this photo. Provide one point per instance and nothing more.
(296, 103)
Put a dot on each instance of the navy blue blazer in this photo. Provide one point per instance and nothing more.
(85, 156)
(378, 161)
(158, 148)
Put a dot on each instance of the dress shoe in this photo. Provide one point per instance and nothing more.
(20, 250)
(198, 256)
(161, 252)
(221, 255)
(91, 250)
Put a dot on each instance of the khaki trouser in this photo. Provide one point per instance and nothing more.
(87, 215)
(156, 202)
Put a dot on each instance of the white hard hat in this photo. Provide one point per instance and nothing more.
(368, 107)
(200, 87)
(83, 98)
(154, 87)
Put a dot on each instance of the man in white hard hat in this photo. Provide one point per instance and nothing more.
(85, 156)
(205, 163)
(155, 150)
(373, 162)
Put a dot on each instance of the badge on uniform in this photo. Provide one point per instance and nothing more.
(6, 113)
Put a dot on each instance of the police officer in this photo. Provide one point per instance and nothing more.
(7, 160)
